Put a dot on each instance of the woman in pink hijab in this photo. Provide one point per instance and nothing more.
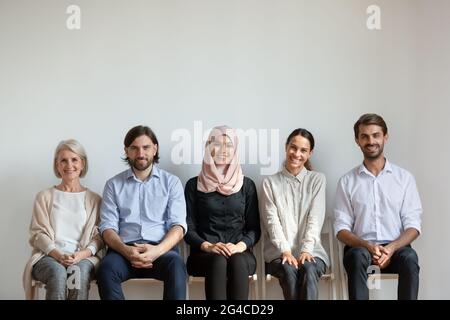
(223, 220)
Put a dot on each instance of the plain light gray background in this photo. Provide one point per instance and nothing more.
(251, 64)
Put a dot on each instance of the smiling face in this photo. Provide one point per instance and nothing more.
(298, 151)
(371, 140)
(141, 153)
(222, 150)
(69, 165)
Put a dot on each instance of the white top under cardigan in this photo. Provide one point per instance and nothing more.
(42, 233)
(293, 212)
(68, 219)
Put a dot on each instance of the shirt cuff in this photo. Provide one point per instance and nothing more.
(106, 227)
(285, 247)
(307, 247)
(51, 247)
(184, 226)
(93, 249)
(248, 242)
(414, 226)
(341, 227)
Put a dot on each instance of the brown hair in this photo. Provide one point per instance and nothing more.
(138, 131)
(368, 119)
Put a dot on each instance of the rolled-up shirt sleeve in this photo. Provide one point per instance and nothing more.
(343, 211)
(109, 212)
(411, 210)
(176, 206)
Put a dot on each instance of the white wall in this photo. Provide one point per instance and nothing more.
(251, 64)
(429, 152)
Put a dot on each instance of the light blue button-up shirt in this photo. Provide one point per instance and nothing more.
(377, 209)
(143, 210)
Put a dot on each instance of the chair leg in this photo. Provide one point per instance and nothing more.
(187, 289)
(35, 293)
(256, 290)
(330, 289)
(263, 289)
(35, 286)
(333, 288)
(344, 287)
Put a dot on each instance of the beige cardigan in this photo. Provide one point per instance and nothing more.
(42, 233)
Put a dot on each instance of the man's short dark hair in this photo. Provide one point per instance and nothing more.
(138, 131)
(368, 119)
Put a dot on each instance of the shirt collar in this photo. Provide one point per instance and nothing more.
(298, 177)
(155, 173)
(387, 168)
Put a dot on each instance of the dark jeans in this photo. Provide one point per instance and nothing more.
(115, 269)
(225, 278)
(301, 283)
(404, 262)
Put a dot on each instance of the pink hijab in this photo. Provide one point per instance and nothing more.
(210, 179)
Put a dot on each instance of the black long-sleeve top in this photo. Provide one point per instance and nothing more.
(214, 217)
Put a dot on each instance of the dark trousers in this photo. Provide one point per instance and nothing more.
(301, 283)
(225, 278)
(404, 262)
(115, 269)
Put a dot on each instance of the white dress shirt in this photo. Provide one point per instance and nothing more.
(377, 209)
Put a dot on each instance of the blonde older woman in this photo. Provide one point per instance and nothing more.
(63, 230)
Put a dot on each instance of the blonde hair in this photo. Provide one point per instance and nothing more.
(74, 146)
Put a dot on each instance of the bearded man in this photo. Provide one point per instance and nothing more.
(143, 217)
(378, 215)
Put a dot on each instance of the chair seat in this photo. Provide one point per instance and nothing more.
(195, 279)
(38, 285)
(327, 276)
(253, 279)
(384, 276)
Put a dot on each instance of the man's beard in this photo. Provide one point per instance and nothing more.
(370, 155)
(138, 166)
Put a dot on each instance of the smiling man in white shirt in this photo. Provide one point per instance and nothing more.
(377, 215)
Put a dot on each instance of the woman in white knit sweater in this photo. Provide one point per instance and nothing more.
(63, 230)
(292, 212)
